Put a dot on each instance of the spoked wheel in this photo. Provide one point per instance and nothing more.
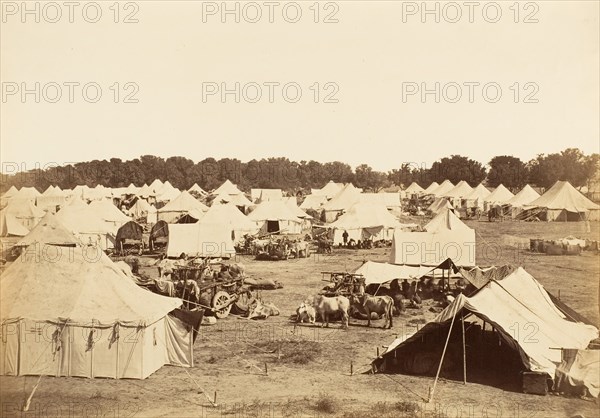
(221, 305)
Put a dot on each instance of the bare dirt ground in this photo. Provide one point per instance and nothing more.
(272, 368)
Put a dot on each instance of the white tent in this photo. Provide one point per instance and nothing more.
(524, 197)
(439, 204)
(49, 231)
(10, 226)
(443, 188)
(87, 225)
(341, 202)
(499, 196)
(197, 189)
(364, 221)
(156, 186)
(329, 190)
(200, 240)
(10, 192)
(230, 217)
(563, 202)
(24, 211)
(109, 213)
(458, 192)
(167, 193)
(516, 299)
(262, 195)
(141, 209)
(226, 188)
(477, 197)
(445, 236)
(431, 188)
(179, 206)
(414, 188)
(379, 273)
(388, 200)
(30, 193)
(274, 216)
(88, 319)
(314, 202)
(146, 191)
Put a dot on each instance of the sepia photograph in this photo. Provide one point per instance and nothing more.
(310, 208)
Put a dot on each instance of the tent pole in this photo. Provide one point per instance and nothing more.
(437, 375)
(462, 321)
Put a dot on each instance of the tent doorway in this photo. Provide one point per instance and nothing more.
(272, 226)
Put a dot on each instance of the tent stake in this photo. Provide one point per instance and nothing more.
(462, 321)
(437, 375)
(28, 402)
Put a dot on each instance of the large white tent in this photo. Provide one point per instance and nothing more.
(276, 216)
(443, 188)
(562, 202)
(477, 196)
(88, 319)
(341, 202)
(231, 218)
(329, 190)
(181, 205)
(431, 188)
(226, 188)
(24, 211)
(364, 221)
(515, 299)
(200, 240)
(10, 226)
(499, 196)
(445, 236)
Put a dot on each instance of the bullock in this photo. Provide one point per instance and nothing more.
(263, 311)
(305, 313)
(325, 306)
(382, 305)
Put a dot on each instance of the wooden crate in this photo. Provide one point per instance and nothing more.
(535, 383)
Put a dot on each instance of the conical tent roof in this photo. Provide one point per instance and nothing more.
(313, 201)
(432, 187)
(524, 197)
(236, 199)
(108, 212)
(329, 190)
(49, 231)
(443, 188)
(197, 189)
(48, 191)
(273, 210)
(564, 196)
(146, 191)
(345, 198)
(500, 195)
(131, 189)
(414, 188)
(79, 285)
(183, 203)
(10, 192)
(292, 203)
(140, 208)
(79, 218)
(365, 215)
(156, 186)
(228, 215)
(478, 193)
(461, 190)
(10, 226)
(439, 204)
(27, 193)
(167, 192)
(226, 188)
(445, 220)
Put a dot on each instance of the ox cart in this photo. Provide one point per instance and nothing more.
(213, 294)
(343, 284)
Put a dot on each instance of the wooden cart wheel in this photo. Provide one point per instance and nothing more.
(221, 305)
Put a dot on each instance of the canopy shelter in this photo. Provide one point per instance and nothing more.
(200, 240)
(443, 188)
(430, 189)
(477, 196)
(457, 336)
(329, 190)
(231, 218)
(341, 202)
(381, 273)
(562, 202)
(179, 206)
(445, 236)
(365, 221)
(94, 321)
(276, 217)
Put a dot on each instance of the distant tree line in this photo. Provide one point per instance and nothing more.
(570, 164)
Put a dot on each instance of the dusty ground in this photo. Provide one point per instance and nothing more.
(309, 368)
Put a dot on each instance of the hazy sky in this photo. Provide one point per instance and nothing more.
(370, 56)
